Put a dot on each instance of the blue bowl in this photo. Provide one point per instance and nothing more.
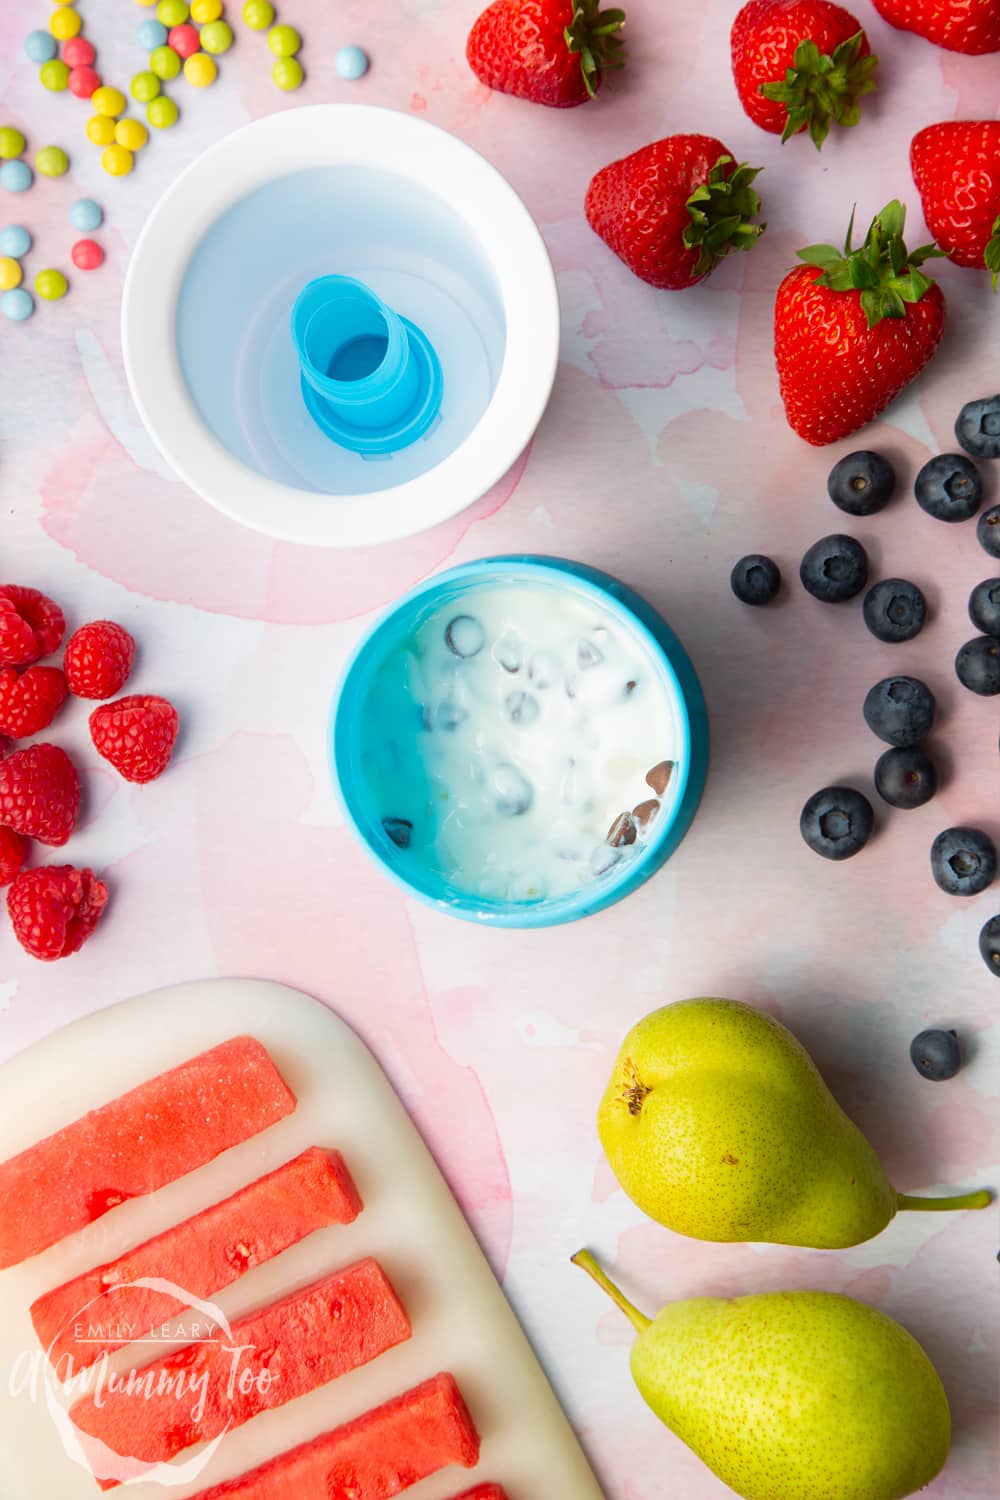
(397, 624)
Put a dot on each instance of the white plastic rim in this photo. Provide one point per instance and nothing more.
(323, 135)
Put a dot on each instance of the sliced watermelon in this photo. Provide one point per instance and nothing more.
(374, 1457)
(287, 1350)
(484, 1492)
(100, 1310)
(151, 1136)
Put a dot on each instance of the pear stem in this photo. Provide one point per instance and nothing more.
(586, 1262)
(982, 1199)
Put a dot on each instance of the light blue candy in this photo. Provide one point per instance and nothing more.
(151, 34)
(17, 304)
(40, 46)
(15, 176)
(14, 241)
(351, 62)
(86, 215)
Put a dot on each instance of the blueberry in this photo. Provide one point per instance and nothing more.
(963, 861)
(837, 822)
(949, 488)
(861, 483)
(989, 945)
(978, 666)
(988, 531)
(900, 710)
(834, 569)
(936, 1054)
(984, 606)
(977, 427)
(755, 579)
(905, 777)
(895, 610)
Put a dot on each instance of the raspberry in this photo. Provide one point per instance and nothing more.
(39, 793)
(55, 908)
(31, 625)
(30, 700)
(98, 659)
(13, 851)
(135, 734)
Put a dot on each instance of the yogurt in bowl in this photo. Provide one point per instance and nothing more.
(520, 741)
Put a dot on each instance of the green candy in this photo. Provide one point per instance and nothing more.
(287, 73)
(51, 161)
(284, 41)
(54, 75)
(51, 285)
(165, 63)
(145, 86)
(162, 112)
(258, 14)
(12, 142)
(217, 37)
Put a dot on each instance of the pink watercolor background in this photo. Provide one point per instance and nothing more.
(663, 456)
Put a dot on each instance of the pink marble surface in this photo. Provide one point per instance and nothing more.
(663, 456)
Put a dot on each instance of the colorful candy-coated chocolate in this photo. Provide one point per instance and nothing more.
(287, 73)
(185, 40)
(351, 62)
(64, 23)
(132, 134)
(86, 215)
(117, 160)
(145, 4)
(258, 14)
(217, 37)
(87, 255)
(54, 75)
(165, 63)
(12, 142)
(84, 82)
(144, 86)
(16, 176)
(17, 304)
(51, 161)
(151, 34)
(162, 112)
(51, 285)
(201, 70)
(284, 41)
(101, 130)
(172, 12)
(15, 241)
(78, 52)
(10, 273)
(109, 101)
(40, 46)
(204, 12)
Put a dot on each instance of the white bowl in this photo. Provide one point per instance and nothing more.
(199, 394)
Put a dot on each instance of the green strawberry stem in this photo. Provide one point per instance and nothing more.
(982, 1199)
(720, 211)
(586, 1262)
(593, 33)
(992, 254)
(882, 269)
(819, 89)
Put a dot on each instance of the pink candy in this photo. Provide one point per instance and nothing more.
(83, 81)
(77, 52)
(184, 40)
(87, 255)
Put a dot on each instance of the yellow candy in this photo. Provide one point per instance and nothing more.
(51, 285)
(10, 273)
(132, 134)
(65, 23)
(117, 161)
(100, 130)
(205, 11)
(200, 70)
(108, 101)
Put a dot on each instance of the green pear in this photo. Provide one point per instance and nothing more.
(792, 1395)
(717, 1124)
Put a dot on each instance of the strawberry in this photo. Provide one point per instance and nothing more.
(852, 328)
(136, 735)
(673, 209)
(30, 700)
(553, 52)
(40, 793)
(956, 166)
(55, 908)
(800, 65)
(970, 26)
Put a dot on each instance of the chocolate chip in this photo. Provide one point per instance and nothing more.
(465, 636)
(622, 830)
(645, 812)
(400, 830)
(659, 777)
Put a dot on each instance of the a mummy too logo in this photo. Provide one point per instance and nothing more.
(125, 1397)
